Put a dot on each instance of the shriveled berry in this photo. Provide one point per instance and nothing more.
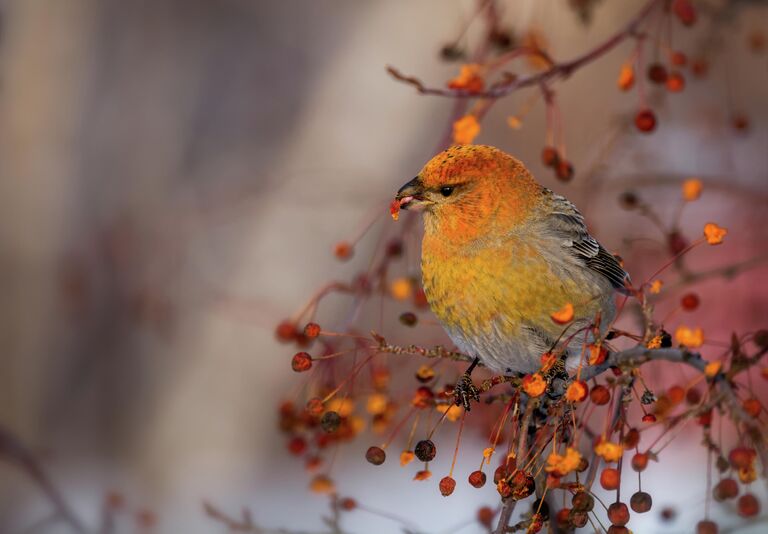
(543, 509)
(447, 485)
(640, 462)
(522, 485)
(409, 319)
(641, 502)
(618, 513)
(578, 519)
(609, 478)
(549, 156)
(375, 455)
(425, 450)
(330, 421)
(645, 120)
(726, 489)
(312, 330)
(706, 527)
(583, 502)
(748, 505)
(477, 479)
(301, 362)
(600, 395)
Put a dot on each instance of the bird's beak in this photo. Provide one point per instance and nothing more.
(411, 194)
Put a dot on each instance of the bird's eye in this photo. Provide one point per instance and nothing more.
(446, 190)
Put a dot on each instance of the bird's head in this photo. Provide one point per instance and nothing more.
(471, 189)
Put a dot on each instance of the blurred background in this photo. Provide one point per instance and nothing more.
(174, 175)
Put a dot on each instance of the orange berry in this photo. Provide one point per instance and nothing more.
(301, 362)
(676, 394)
(447, 485)
(632, 438)
(312, 330)
(645, 121)
(609, 478)
(675, 82)
(485, 516)
(741, 457)
(343, 250)
(577, 391)
(315, 406)
(640, 462)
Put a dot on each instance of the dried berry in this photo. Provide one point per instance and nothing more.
(425, 450)
(375, 455)
(477, 479)
(629, 200)
(583, 502)
(447, 485)
(330, 421)
(301, 362)
(409, 319)
(641, 502)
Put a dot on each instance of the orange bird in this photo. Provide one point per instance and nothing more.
(500, 255)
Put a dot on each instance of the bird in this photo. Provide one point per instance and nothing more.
(500, 254)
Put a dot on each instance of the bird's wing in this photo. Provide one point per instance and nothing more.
(567, 224)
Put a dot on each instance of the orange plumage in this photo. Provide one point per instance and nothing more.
(501, 254)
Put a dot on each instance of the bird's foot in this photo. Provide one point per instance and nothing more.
(465, 391)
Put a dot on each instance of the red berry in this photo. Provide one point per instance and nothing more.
(477, 479)
(447, 485)
(645, 121)
(564, 171)
(640, 502)
(609, 478)
(726, 489)
(706, 527)
(632, 438)
(616, 529)
(348, 504)
(485, 516)
(315, 406)
(700, 67)
(600, 395)
(618, 513)
(297, 445)
(741, 457)
(679, 59)
(752, 407)
(640, 462)
(375, 455)
(562, 518)
(301, 362)
(657, 73)
(693, 396)
(690, 301)
(312, 330)
(748, 505)
(684, 11)
(286, 331)
(549, 156)
(649, 418)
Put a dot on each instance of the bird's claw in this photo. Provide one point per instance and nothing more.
(465, 391)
